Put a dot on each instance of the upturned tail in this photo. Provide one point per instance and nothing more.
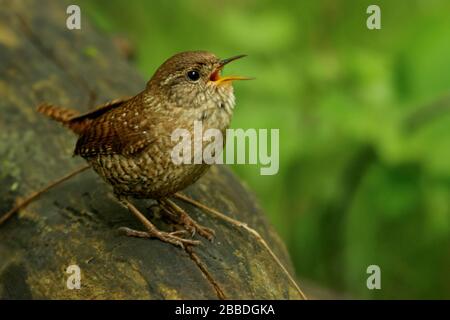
(75, 121)
(62, 115)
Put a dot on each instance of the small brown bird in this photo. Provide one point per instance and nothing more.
(128, 141)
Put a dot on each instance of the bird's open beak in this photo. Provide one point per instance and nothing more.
(218, 79)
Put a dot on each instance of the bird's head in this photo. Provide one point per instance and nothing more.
(189, 79)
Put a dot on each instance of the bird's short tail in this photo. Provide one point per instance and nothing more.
(75, 121)
(59, 114)
(62, 115)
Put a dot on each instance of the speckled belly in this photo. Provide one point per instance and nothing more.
(146, 176)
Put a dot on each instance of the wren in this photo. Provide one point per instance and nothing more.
(128, 141)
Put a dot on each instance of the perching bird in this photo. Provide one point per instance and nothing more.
(128, 141)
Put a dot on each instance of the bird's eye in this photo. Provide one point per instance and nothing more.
(193, 75)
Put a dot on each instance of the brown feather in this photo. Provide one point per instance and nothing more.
(72, 119)
(107, 133)
(56, 113)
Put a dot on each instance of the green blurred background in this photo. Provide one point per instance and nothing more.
(364, 119)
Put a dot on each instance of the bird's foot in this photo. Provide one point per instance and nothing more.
(192, 226)
(152, 231)
(179, 216)
(169, 237)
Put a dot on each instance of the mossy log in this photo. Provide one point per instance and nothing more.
(77, 222)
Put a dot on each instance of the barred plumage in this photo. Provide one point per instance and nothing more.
(128, 141)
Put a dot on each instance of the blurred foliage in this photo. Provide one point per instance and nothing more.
(364, 120)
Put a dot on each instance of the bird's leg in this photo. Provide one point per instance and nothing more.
(180, 216)
(152, 231)
(156, 210)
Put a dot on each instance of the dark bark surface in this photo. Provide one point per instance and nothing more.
(76, 223)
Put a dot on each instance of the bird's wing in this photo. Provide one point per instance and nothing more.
(81, 123)
(116, 132)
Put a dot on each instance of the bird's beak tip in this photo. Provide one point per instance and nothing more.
(219, 79)
(228, 60)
